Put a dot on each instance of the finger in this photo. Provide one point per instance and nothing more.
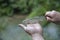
(22, 26)
(49, 14)
(49, 19)
(54, 11)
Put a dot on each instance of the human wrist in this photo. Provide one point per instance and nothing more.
(37, 37)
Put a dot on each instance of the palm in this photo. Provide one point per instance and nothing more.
(32, 28)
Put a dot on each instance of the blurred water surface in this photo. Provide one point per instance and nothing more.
(11, 31)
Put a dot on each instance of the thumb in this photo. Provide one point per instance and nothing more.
(22, 26)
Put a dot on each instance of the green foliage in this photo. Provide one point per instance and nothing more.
(10, 7)
(39, 11)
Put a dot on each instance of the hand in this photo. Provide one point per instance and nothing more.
(32, 29)
(53, 16)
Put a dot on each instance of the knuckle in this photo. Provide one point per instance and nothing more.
(53, 11)
(48, 14)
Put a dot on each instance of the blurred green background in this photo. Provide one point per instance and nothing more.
(13, 12)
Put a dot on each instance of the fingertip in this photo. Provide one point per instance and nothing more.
(48, 19)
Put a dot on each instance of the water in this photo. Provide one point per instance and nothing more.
(11, 30)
